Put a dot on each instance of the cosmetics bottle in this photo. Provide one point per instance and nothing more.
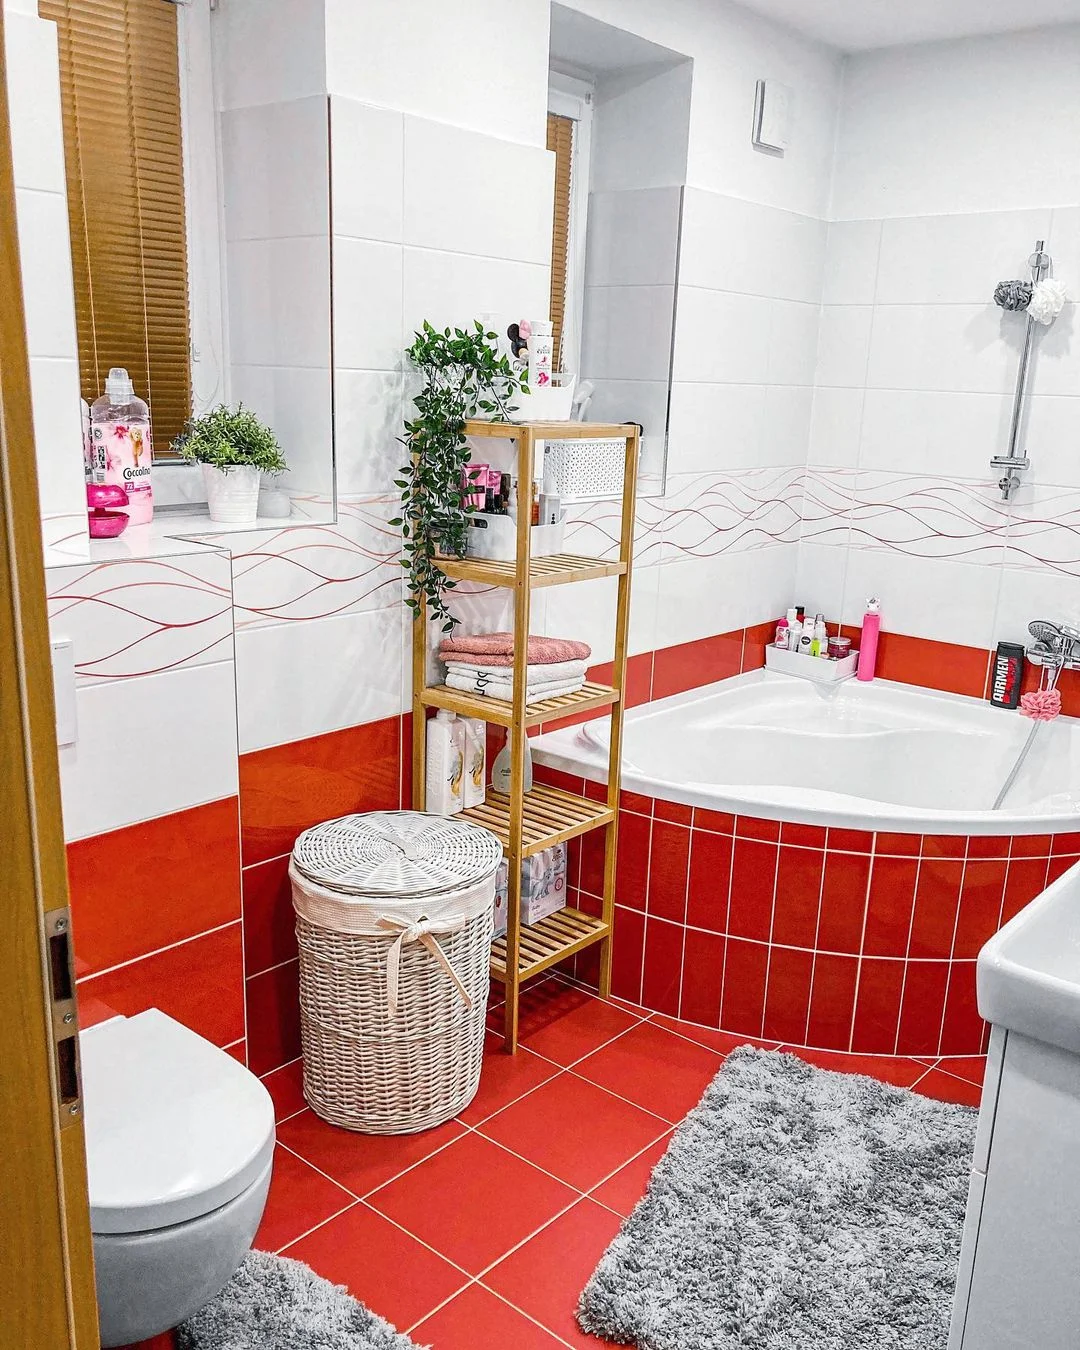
(868, 645)
(781, 640)
(541, 354)
(806, 637)
(445, 764)
(1008, 673)
(792, 626)
(534, 508)
(820, 645)
(120, 438)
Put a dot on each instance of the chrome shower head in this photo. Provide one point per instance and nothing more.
(1044, 632)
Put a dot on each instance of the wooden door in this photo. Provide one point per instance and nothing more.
(46, 1258)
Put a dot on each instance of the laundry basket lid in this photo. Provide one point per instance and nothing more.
(396, 853)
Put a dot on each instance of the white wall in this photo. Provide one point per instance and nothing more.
(952, 159)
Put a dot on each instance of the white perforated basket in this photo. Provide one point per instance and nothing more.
(581, 468)
(393, 922)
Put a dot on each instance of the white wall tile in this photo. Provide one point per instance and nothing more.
(734, 245)
(819, 579)
(851, 262)
(328, 674)
(1030, 593)
(295, 401)
(368, 331)
(843, 345)
(836, 426)
(721, 338)
(368, 414)
(276, 169)
(793, 339)
(633, 237)
(149, 746)
(1044, 529)
(627, 332)
(942, 433)
(786, 431)
(54, 393)
(509, 190)
(48, 293)
(1050, 436)
(964, 348)
(279, 301)
(929, 260)
(37, 134)
(256, 61)
(455, 288)
(367, 149)
(715, 426)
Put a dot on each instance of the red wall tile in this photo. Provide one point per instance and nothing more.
(716, 822)
(702, 977)
(269, 919)
(668, 871)
(981, 894)
(147, 886)
(287, 788)
(877, 1006)
(963, 1028)
(937, 897)
(888, 909)
(843, 902)
(273, 1017)
(710, 880)
(798, 894)
(591, 861)
(1025, 879)
(744, 987)
(923, 1003)
(753, 827)
(809, 836)
(199, 982)
(787, 996)
(753, 880)
(632, 862)
(627, 950)
(755, 640)
(689, 665)
(832, 1001)
(662, 976)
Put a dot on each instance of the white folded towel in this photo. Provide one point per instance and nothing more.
(504, 689)
(557, 672)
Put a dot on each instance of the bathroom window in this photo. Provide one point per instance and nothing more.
(568, 133)
(130, 74)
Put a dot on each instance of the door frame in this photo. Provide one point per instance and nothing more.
(47, 1297)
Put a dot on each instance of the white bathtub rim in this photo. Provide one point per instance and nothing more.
(564, 751)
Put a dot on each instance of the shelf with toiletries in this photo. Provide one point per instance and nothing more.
(488, 681)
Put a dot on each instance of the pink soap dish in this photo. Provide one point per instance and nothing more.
(106, 523)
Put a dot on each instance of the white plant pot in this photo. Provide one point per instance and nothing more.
(232, 494)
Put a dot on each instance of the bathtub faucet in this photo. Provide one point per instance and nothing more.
(1055, 645)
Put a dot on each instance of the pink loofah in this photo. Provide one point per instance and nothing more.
(1041, 706)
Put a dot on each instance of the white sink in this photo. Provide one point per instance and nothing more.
(1028, 974)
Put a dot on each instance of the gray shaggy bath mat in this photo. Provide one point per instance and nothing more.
(795, 1209)
(272, 1303)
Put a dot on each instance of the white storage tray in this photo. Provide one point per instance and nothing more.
(496, 538)
(810, 667)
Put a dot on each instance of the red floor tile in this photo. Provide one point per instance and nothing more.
(945, 1088)
(564, 1023)
(886, 1068)
(300, 1197)
(575, 1130)
(286, 1087)
(504, 1079)
(361, 1162)
(622, 1191)
(973, 1068)
(665, 1074)
(396, 1276)
(723, 1042)
(473, 1201)
(478, 1320)
(545, 1276)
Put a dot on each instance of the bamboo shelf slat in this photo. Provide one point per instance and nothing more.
(526, 822)
(549, 816)
(557, 570)
(590, 698)
(548, 942)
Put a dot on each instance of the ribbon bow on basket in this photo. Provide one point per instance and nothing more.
(422, 931)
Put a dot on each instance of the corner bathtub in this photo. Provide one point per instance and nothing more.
(818, 865)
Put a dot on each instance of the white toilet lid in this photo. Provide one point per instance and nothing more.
(175, 1127)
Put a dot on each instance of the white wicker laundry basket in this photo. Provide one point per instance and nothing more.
(393, 920)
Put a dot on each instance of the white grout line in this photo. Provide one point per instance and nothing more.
(321, 1224)
(169, 947)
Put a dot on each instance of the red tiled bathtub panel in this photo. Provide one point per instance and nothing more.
(867, 944)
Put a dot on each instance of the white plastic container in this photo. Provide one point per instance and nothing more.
(495, 537)
(500, 770)
(811, 667)
(444, 789)
(584, 469)
(475, 780)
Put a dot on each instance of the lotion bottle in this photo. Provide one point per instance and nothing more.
(806, 636)
(475, 761)
(445, 764)
(541, 354)
(500, 770)
(868, 645)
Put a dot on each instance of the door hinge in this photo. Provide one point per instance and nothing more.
(65, 1016)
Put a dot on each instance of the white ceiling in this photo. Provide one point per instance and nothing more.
(856, 25)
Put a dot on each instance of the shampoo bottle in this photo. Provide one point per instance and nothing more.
(475, 761)
(500, 770)
(120, 436)
(445, 764)
(871, 628)
(541, 354)
(806, 636)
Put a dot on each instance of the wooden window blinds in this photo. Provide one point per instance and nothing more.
(120, 88)
(560, 138)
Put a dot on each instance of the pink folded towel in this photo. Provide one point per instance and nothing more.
(497, 649)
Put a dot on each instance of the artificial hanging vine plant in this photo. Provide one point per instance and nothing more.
(464, 376)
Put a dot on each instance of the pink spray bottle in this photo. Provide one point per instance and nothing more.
(871, 627)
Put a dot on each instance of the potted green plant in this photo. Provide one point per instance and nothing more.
(464, 375)
(235, 449)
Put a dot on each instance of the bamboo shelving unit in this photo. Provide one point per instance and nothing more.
(524, 822)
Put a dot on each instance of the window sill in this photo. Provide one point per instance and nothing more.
(173, 533)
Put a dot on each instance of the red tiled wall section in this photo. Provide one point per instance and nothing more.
(836, 939)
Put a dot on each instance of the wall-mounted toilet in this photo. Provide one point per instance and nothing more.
(179, 1146)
